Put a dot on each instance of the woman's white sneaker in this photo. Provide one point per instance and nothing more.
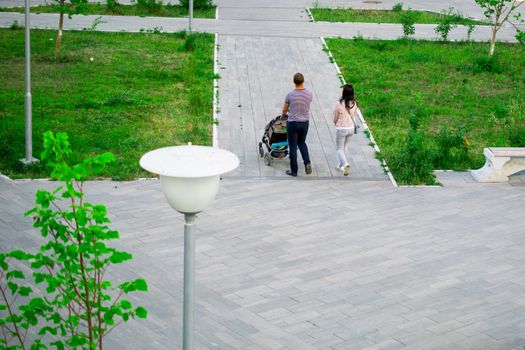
(346, 170)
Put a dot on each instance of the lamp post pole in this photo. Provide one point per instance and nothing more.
(28, 160)
(191, 12)
(189, 280)
(29, 142)
(189, 178)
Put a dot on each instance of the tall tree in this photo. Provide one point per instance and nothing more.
(71, 7)
(499, 12)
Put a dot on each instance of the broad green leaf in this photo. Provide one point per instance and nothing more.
(25, 291)
(13, 287)
(47, 329)
(20, 255)
(126, 304)
(141, 312)
(14, 274)
(119, 257)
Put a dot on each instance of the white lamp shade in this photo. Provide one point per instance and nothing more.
(189, 175)
(190, 195)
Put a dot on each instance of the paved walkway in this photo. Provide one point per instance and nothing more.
(299, 264)
(318, 264)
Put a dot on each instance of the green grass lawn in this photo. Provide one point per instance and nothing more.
(119, 92)
(380, 16)
(124, 10)
(459, 98)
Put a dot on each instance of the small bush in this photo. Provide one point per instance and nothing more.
(486, 64)
(520, 36)
(150, 5)
(379, 45)
(516, 136)
(453, 147)
(398, 7)
(112, 5)
(413, 163)
(189, 43)
(470, 29)
(197, 4)
(15, 25)
(480, 64)
(447, 22)
(408, 19)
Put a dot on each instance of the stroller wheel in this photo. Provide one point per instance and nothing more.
(267, 159)
(261, 150)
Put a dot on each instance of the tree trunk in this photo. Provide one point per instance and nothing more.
(493, 42)
(60, 28)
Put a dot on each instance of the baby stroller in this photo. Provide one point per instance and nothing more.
(274, 144)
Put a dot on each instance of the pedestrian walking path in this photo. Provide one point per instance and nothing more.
(339, 265)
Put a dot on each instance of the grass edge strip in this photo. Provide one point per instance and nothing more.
(363, 122)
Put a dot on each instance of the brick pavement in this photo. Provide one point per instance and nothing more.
(341, 265)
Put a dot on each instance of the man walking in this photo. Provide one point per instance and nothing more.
(297, 106)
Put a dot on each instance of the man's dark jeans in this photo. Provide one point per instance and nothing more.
(297, 132)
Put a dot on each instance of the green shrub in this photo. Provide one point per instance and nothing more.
(520, 36)
(516, 136)
(486, 64)
(470, 29)
(447, 21)
(15, 25)
(197, 4)
(413, 163)
(189, 42)
(112, 5)
(62, 289)
(398, 7)
(408, 18)
(481, 64)
(452, 148)
(150, 5)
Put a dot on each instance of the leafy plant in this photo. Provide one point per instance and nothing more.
(73, 7)
(398, 7)
(408, 18)
(470, 29)
(486, 64)
(516, 136)
(150, 5)
(112, 5)
(447, 22)
(520, 36)
(197, 4)
(413, 163)
(452, 148)
(79, 307)
(500, 12)
(15, 25)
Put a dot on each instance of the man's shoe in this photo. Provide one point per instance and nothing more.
(346, 170)
(289, 172)
(308, 168)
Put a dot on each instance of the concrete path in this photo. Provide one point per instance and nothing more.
(256, 73)
(290, 28)
(317, 264)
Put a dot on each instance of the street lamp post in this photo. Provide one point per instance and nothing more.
(28, 105)
(191, 12)
(189, 178)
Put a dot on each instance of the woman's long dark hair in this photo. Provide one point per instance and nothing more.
(348, 97)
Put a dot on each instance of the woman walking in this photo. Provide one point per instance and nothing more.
(345, 113)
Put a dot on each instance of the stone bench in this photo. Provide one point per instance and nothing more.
(500, 163)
